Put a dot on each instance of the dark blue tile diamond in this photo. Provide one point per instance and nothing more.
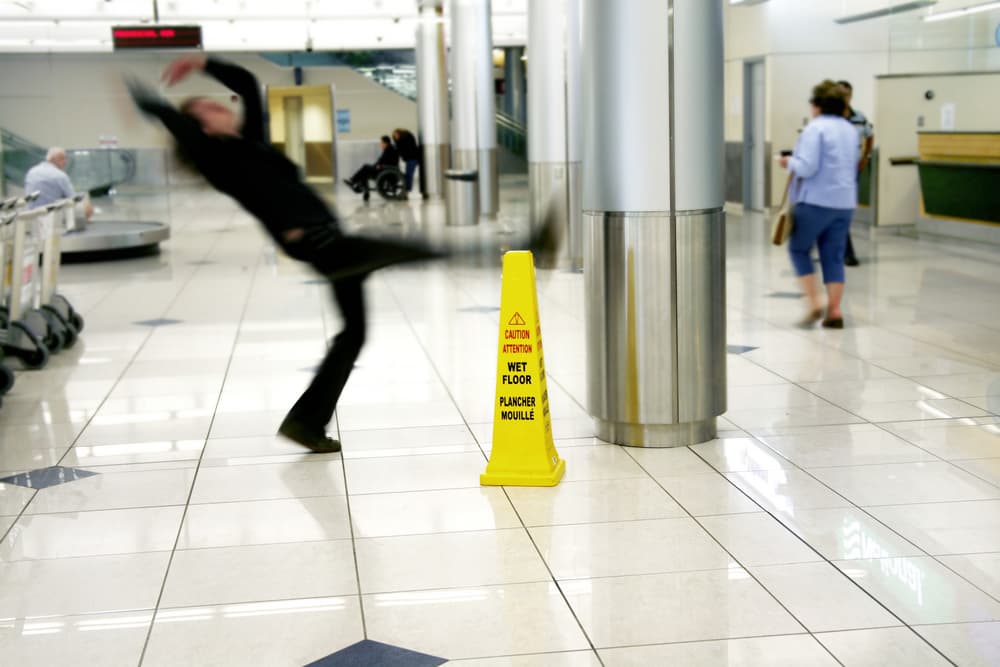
(786, 295)
(368, 653)
(739, 349)
(45, 477)
(159, 322)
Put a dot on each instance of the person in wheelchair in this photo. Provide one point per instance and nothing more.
(388, 158)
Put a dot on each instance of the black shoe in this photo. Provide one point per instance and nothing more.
(309, 438)
(834, 323)
(851, 261)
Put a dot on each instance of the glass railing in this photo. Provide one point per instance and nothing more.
(95, 170)
(402, 79)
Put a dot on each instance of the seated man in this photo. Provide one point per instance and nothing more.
(50, 180)
(388, 158)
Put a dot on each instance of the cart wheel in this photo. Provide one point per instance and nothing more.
(76, 319)
(33, 358)
(55, 336)
(367, 195)
(64, 328)
(6, 379)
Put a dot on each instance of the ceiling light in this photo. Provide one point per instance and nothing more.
(886, 11)
(964, 11)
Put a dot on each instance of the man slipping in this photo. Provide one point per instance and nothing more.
(236, 160)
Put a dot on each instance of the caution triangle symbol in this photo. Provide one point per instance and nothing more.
(516, 321)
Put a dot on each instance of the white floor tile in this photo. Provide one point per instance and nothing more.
(281, 633)
(740, 454)
(92, 533)
(785, 492)
(98, 640)
(782, 651)
(904, 483)
(414, 473)
(425, 512)
(93, 456)
(968, 644)
(115, 490)
(14, 498)
(599, 462)
(269, 481)
(260, 573)
(861, 444)
(475, 621)
(265, 522)
(985, 469)
(847, 533)
(944, 408)
(590, 550)
(593, 502)
(982, 570)
(69, 586)
(878, 647)
(710, 494)
(758, 539)
(920, 590)
(629, 611)
(448, 560)
(822, 598)
(956, 439)
(946, 528)
(567, 659)
(668, 461)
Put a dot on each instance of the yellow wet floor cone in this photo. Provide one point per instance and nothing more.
(523, 452)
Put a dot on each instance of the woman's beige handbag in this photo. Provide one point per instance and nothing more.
(784, 222)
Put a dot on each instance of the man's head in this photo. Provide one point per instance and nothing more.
(396, 135)
(215, 119)
(848, 90)
(57, 156)
(386, 141)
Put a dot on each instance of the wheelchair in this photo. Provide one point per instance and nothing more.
(390, 184)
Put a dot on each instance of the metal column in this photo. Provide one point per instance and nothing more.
(554, 126)
(432, 97)
(473, 128)
(654, 227)
(514, 89)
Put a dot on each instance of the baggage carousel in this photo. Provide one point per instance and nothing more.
(102, 239)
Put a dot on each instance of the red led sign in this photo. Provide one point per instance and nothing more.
(156, 37)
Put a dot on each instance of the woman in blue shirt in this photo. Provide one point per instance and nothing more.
(825, 191)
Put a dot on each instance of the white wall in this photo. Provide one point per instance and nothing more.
(73, 99)
(901, 104)
(802, 44)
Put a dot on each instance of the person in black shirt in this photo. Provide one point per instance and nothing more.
(406, 144)
(235, 159)
(388, 158)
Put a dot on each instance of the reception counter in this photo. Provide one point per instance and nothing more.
(960, 184)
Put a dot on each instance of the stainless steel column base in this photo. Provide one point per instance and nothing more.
(656, 435)
(436, 159)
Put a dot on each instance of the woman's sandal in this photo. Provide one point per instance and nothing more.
(811, 319)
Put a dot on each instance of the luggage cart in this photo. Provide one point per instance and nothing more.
(39, 226)
(67, 320)
(24, 330)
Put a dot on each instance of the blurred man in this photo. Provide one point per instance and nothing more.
(233, 156)
(866, 137)
(50, 180)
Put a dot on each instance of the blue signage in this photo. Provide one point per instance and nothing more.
(343, 121)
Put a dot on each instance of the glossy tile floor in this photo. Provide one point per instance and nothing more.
(849, 512)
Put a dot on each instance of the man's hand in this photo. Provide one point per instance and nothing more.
(181, 68)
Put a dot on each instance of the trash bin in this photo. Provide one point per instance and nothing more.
(462, 195)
